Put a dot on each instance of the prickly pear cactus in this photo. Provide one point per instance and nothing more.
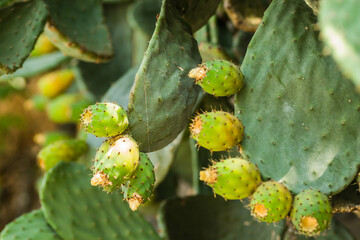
(311, 212)
(165, 97)
(301, 123)
(29, 226)
(63, 150)
(218, 77)
(232, 178)
(104, 119)
(271, 202)
(21, 24)
(138, 190)
(71, 24)
(115, 162)
(216, 131)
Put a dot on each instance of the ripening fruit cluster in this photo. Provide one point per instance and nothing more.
(237, 178)
(118, 164)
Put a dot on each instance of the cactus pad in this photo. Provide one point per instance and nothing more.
(217, 131)
(161, 102)
(233, 178)
(340, 30)
(70, 25)
(20, 26)
(104, 119)
(54, 83)
(271, 202)
(141, 184)
(115, 162)
(301, 116)
(218, 77)
(311, 212)
(63, 150)
(76, 210)
(29, 226)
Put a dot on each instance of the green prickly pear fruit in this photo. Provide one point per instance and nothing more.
(233, 178)
(217, 131)
(37, 102)
(54, 83)
(311, 212)
(138, 190)
(67, 108)
(115, 162)
(63, 150)
(218, 77)
(44, 139)
(271, 202)
(42, 46)
(105, 119)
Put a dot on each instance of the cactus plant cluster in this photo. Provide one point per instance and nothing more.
(209, 96)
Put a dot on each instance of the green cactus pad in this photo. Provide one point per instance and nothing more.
(233, 178)
(214, 219)
(271, 202)
(311, 212)
(141, 184)
(100, 77)
(76, 210)
(54, 83)
(218, 77)
(104, 119)
(339, 27)
(21, 24)
(197, 12)
(142, 15)
(67, 108)
(32, 225)
(71, 24)
(301, 116)
(115, 162)
(63, 150)
(217, 131)
(161, 102)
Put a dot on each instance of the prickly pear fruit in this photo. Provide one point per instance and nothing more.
(105, 119)
(42, 46)
(44, 139)
(271, 202)
(63, 150)
(233, 178)
(115, 162)
(311, 212)
(218, 77)
(67, 108)
(138, 190)
(210, 51)
(54, 83)
(217, 131)
(37, 102)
